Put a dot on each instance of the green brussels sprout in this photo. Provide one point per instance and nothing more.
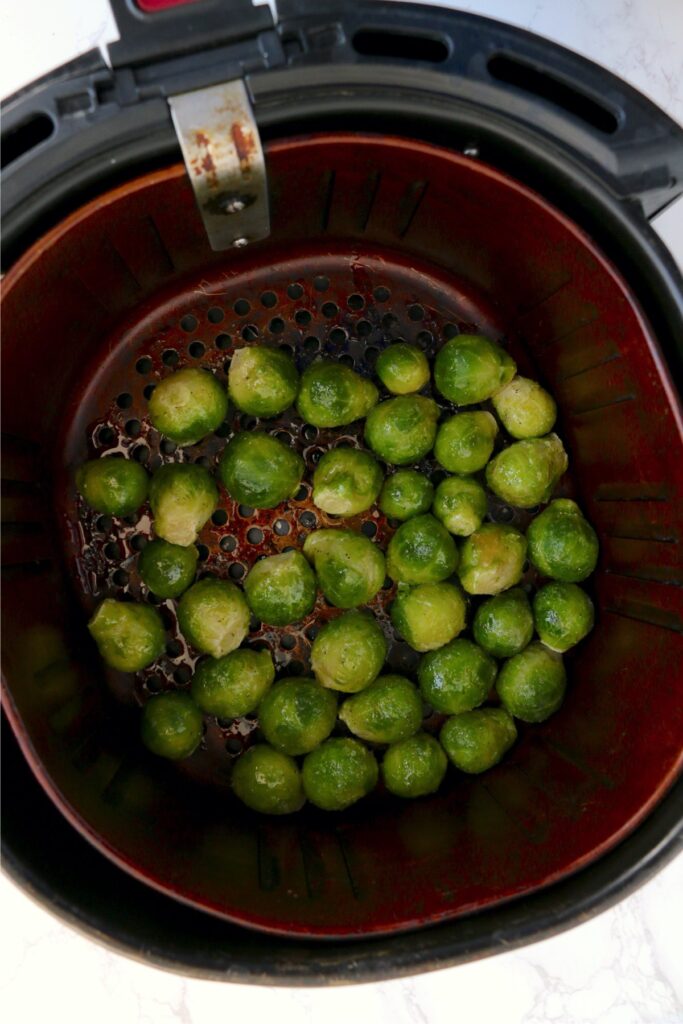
(233, 685)
(405, 494)
(525, 408)
(262, 381)
(492, 559)
(296, 715)
(464, 443)
(259, 470)
(476, 740)
(167, 569)
(421, 551)
(470, 368)
(128, 636)
(563, 614)
(457, 677)
(268, 781)
(171, 725)
(414, 767)
(115, 487)
(562, 544)
(402, 430)
(188, 405)
(531, 685)
(349, 567)
(346, 481)
(389, 710)
(402, 368)
(526, 473)
(429, 615)
(504, 625)
(339, 773)
(332, 395)
(182, 497)
(281, 588)
(460, 504)
(214, 616)
(349, 652)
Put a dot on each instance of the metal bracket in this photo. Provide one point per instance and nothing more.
(222, 150)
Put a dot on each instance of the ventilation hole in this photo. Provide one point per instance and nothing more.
(130, 520)
(233, 746)
(363, 328)
(138, 542)
(202, 552)
(346, 360)
(143, 365)
(276, 325)
(533, 510)
(287, 642)
(287, 549)
(152, 598)
(309, 433)
(329, 309)
(382, 294)
(311, 344)
(450, 331)
(246, 511)
(105, 435)
(140, 453)
(281, 527)
(307, 519)
(196, 349)
(254, 535)
(223, 431)
(133, 428)
(369, 529)
(295, 291)
(287, 349)
(241, 307)
(222, 341)
(174, 648)
(338, 335)
(389, 321)
(170, 357)
(282, 435)
(155, 684)
(345, 442)
(28, 134)
(503, 514)
(416, 311)
(302, 317)
(269, 300)
(182, 675)
(188, 323)
(236, 571)
(295, 668)
(355, 301)
(104, 524)
(149, 391)
(410, 46)
(215, 315)
(203, 461)
(220, 517)
(424, 339)
(112, 550)
(321, 283)
(315, 456)
(302, 493)
(250, 332)
(371, 355)
(168, 447)
(247, 422)
(124, 401)
(228, 544)
(312, 632)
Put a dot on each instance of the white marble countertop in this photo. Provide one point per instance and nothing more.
(623, 967)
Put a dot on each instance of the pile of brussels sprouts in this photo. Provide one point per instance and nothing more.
(478, 685)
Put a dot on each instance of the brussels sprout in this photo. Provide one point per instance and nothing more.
(421, 551)
(214, 616)
(504, 625)
(525, 408)
(464, 443)
(188, 405)
(259, 470)
(349, 652)
(167, 569)
(460, 504)
(414, 767)
(563, 614)
(405, 494)
(403, 429)
(115, 487)
(262, 381)
(281, 589)
(531, 685)
(233, 685)
(350, 568)
(562, 544)
(332, 395)
(402, 368)
(457, 677)
(470, 368)
(389, 710)
(429, 615)
(128, 636)
(492, 559)
(339, 773)
(182, 496)
(268, 781)
(171, 725)
(476, 740)
(525, 474)
(296, 715)
(346, 481)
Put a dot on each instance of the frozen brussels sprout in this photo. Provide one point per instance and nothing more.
(332, 395)
(296, 715)
(526, 473)
(421, 551)
(457, 677)
(171, 725)
(339, 773)
(349, 567)
(346, 481)
(167, 569)
(405, 494)
(460, 504)
(402, 430)
(429, 615)
(214, 616)
(259, 470)
(531, 685)
(262, 381)
(476, 740)
(562, 544)
(563, 614)
(389, 710)
(492, 559)
(188, 405)
(281, 589)
(464, 443)
(128, 636)
(348, 653)
(470, 368)
(525, 408)
(233, 685)
(504, 625)
(115, 487)
(182, 496)
(268, 781)
(402, 368)
(414, 767)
